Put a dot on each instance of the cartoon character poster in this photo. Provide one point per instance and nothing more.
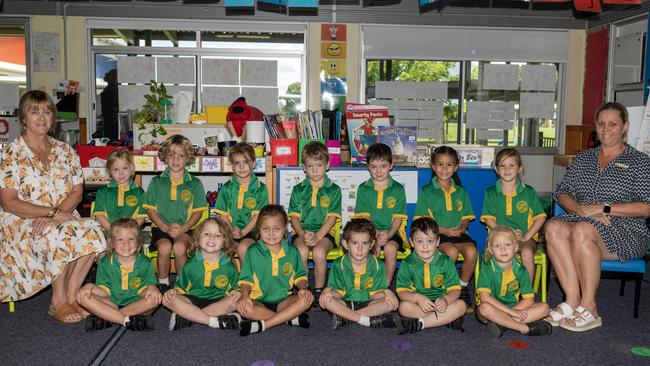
(363, 122)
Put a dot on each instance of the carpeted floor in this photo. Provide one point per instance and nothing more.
(30, 337)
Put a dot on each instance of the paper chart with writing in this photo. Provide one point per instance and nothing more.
(411, 90)
(132, 69)
(538, 77)
(131, 97)
(500, 77)
(219, 95)
(175, 70)
(490, 115)
(266, 99)
(9, 96)
(46, 51)
(536, 105)
(220, 71)
(259, 72)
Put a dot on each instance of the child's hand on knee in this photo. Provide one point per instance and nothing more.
(151, 293)
(425, 304)
(309, 239)
(174, 230)
(169, 296)
(441, 305)
(234, 296)
(236, 233)
(244, 305)
(519, 315)
(306, 296)
(390, 299)
(326, 298)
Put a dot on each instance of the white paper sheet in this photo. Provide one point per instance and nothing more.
(482, 134)
(259, 72)
(538, 77)
(46, 50)
(635, 116)
(219, 95)
(536, 105)
(175, 70)
(430, 129)
(500, 77)
(133, 69)
(132, 96)
(411, 90)
(9, 96)
(265, 99)
(486, 115)
(218, 71)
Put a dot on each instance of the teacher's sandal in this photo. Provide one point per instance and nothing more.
(585, 321)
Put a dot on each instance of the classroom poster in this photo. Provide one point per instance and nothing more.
(333, 72)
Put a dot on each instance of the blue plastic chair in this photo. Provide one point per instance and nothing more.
(630, 270)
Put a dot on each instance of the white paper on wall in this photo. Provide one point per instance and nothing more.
(405, 122)
(635, 116)
(538, 77)
(259, 72)
(9, 96)
(486, 115)
(405, 113)
(133, 69)
(482, 134)
(434, 111)
(265, 99)
(430, 129)
(132, 96)
(536, 105)
(500, 77)
(46, 51)
(219, 71)
(411, 90)
(219, 95)
(175, 70)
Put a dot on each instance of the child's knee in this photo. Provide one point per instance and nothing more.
(470, 252)
(164, 247)
(180, 250)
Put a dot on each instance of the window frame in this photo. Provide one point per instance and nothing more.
(27, 24)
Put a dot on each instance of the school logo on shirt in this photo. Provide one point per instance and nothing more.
(439, 280)
(459, 205)
(131, 201)
(136, 282)
(221, 281)
(368, 283)
(250, 203)
(324, 202)
(390, 202)
(522, 206)
(513, 286)
(287, 268)
(186, 195)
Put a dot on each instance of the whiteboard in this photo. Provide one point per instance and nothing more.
(349, 180)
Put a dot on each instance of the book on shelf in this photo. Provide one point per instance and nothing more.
(363, 122)
(402, 141)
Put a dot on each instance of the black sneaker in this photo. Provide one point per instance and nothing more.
(457, 324)
(316, 304)
(539, 328)
(388, 320)
(338, 322)
(464, 295)
(246, 327)
(177, 322)
(162, 287)
(140, 323)
(93, 323)
(496, 330)
(480, 319)
(229, 321)
(303, 320)
(410, 325)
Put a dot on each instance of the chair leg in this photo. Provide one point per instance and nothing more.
(544, 276)
(12, 307)
(637, 296)
(621, 292)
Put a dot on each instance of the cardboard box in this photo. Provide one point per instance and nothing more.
(284, 152)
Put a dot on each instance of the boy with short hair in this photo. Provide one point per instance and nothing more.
(383, 200)
(314, 209)
(427, 283)
(240, 199)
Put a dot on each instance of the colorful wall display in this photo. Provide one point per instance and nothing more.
(333, 72)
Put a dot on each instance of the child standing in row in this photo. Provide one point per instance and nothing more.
(507, 299)
(512, 203)
(240, 199)
(427, 283)
(270, 270)
(125, 289)
(205, 291)
(175, 202)
(383, 201)
(448, 203)
(357, 290)
(314, 209)
(121, 198)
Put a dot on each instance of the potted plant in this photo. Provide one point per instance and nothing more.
(151, 112)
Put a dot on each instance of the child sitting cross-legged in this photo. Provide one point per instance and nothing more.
(356, 289)
(427, 283)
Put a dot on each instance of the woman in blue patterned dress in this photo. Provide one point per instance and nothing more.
(606, 193)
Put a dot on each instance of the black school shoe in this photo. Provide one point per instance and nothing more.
(496, 330)
(177, 322)
(388, 320)
(140, 323)
(163, 287)
(245, 327)
(457, 324)
(410, 325)
(304, 321)
(539, 328)
(339, 322)
(229, 321)
(316, 304)
(464, 295)
(93, 323)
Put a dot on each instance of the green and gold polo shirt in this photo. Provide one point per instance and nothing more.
(448, 208)
(205, 280)
(518, 210)
(357, 286)
(313, 205)
(117, 201)
(507, 286)
(432, 280)
(124, 285)
(271, 276)
(382, 206)
(240, 203)
(175, 201)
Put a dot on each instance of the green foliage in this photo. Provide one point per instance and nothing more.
(412, 70)
(152, 110)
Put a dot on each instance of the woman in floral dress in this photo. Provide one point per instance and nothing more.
(42, 238)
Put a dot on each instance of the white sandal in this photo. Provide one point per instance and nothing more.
(585, 321)
(556, 316)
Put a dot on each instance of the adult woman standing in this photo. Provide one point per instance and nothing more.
(42, 239)
(606, 193)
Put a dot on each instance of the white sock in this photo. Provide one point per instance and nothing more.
(421, 321)
(163, 281)
(294, 322)
(126, 320)
(464, 284)
(364, 320)
(255, 328)
(213, 322)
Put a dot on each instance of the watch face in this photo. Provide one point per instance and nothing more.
(607, 209)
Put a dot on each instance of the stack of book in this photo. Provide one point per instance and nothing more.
(278, 129)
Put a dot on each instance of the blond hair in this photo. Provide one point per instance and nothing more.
(124, 223)
(508, 152)
(242, 148)
(121, 153)
(224, 228)
(499, 229)
(180, 141)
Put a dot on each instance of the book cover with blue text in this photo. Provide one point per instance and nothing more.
(402, 141)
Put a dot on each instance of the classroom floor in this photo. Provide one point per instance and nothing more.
(31, 337)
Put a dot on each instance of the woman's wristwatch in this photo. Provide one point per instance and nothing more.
(607, 209)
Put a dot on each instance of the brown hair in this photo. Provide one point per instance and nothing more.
(499, 229)
(360, 225)
(180, 141)
(315, 150)
(446, 150)
(620, 108)
(243, 149)
(124, 223)
(424, 225)
(224, 228)
(121, 153)
(269, 211)
(508, 152)
(35, 98)
(379, 152)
